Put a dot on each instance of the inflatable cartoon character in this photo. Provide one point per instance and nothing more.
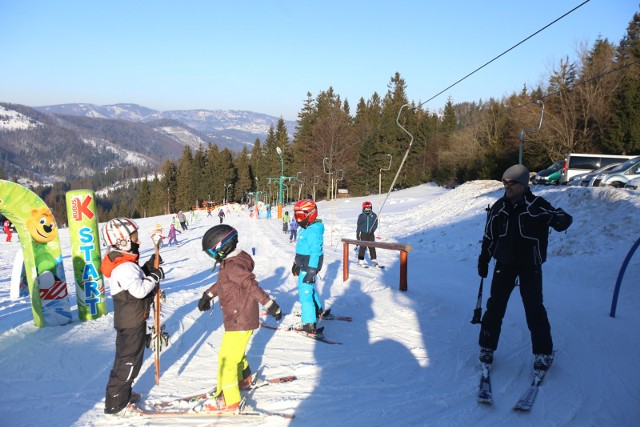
(42, 225)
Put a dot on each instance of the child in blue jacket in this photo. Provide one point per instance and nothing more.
(308, 261)
(293, 231)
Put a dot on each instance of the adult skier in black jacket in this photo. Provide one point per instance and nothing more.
(516, 235)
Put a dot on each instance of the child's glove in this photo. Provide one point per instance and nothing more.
(295, 269)
(148, 266)
(274, 309)
(205, 302)
(156, 273)
(311, 275)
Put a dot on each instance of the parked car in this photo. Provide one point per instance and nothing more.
(593, 179)
(633, 184)
(622, 173)
(550, 175)
(577, 163)
(576, 180)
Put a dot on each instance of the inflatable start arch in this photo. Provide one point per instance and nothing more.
(85, 250)
(40, 243)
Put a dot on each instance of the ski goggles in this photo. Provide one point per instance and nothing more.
(509, 182)
(300, 215)
(215, 251)
(212, 253)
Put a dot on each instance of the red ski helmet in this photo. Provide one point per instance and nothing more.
(367, 205)
(305, 212)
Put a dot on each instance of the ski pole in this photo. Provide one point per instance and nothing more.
(477, 312)
(156, 317)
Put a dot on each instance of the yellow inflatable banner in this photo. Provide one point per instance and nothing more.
(40, 244)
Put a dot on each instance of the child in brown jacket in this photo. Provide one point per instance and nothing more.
(239, 295)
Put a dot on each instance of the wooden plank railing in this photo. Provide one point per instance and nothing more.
(404, 256)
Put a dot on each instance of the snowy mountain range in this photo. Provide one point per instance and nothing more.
(227, 128)
(94, 138)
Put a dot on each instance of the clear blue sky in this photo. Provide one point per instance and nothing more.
(265, 55)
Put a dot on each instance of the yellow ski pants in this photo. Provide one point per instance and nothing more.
(231, 363)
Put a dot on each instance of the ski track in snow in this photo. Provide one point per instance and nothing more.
(406, 359)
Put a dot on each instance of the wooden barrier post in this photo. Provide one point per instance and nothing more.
(404, 257)
(345, 261)
(403, 270)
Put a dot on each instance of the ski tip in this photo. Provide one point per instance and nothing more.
(286, 379)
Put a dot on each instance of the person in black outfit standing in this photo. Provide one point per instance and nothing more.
(365, 230)
(516, 235)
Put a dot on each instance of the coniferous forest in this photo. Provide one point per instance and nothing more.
(589, 105)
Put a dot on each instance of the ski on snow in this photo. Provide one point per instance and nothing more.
(317, 336)
(327, 315)
(198, 411)
(208, 394)
(525, 402)
(484, 390)
(381, 267)
(136, 411)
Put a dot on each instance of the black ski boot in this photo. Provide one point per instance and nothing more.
(310, 328)
(486, 356)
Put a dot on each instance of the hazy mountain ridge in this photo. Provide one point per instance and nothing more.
(236, 127)
(70, 141)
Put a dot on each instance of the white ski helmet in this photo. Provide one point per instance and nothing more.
(117, 233)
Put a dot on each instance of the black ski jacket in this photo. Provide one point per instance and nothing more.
(516, 233)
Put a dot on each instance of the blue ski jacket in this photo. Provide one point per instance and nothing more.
(309, 249)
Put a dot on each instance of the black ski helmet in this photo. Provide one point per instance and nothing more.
(220, 241)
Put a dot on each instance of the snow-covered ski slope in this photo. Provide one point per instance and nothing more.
(408, 358)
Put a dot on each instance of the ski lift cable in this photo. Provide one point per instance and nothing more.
(505, 52)
(406, 154)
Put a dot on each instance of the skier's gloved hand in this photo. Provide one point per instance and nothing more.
(274, 309)
(483, 269)
(148, 266)
(311, 275)
(295, 269)
(561, 220)
(205, 302)
(157, 273)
